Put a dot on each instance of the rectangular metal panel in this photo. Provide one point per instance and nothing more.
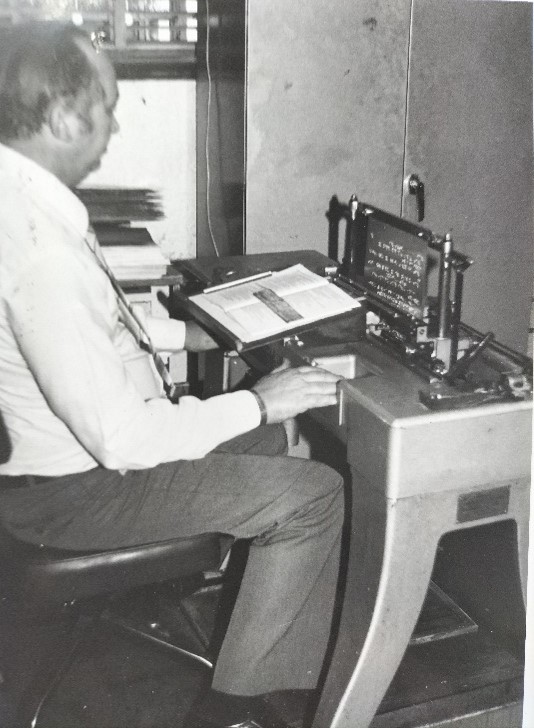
(481, 446)
(469, 138)
(483, 504)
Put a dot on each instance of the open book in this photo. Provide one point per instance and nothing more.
(273, 303)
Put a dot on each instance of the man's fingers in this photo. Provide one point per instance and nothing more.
(317, 374)
(319, 387)
(286, 364)
(324, 400)
(289, 392)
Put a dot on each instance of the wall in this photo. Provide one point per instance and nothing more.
(155, 148)
(326, 104)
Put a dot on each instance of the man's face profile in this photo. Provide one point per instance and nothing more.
(96, 117)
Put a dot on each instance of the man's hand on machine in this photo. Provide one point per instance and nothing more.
(197, 339)
(287, 392)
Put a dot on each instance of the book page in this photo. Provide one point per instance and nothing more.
(295, 278)
(290, 280)
(275, 304)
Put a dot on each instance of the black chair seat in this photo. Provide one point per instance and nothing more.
(47, 575)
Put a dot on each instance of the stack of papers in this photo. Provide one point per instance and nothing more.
(120, 204)
(131, 262)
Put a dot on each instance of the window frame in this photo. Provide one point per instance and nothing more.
(148, 60)
(146, 63)
(151, 60)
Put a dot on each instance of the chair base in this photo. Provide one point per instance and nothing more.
(153, 635)
(160, 614)
(179, 616)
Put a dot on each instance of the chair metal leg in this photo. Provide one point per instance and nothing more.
(152, 636)
(51, 670)
(175, 616)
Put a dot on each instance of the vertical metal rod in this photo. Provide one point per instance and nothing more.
(444, 288)
(456, 314)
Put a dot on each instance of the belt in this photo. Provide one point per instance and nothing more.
(24, 481)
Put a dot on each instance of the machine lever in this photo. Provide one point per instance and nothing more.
(460, 368)
(416, 187)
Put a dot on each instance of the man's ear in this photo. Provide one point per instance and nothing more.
(65, 123)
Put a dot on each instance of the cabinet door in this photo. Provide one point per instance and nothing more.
(326, 103)
(469, 139)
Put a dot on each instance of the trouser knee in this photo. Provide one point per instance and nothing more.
(319, 503)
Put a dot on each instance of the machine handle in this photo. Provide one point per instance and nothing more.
(460, 367)
(416, 187)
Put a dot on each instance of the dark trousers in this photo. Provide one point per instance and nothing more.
(290, 508)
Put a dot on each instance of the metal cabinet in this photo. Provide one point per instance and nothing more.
(469, 140)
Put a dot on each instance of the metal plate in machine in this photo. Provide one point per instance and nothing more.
(396, 265)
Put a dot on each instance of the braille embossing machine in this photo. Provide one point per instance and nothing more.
(412, 280)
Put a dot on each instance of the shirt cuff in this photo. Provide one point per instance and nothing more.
(253, 415)
(166, 334)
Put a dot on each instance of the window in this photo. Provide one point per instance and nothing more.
(145, 38)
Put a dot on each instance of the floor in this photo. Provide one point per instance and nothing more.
(120, 681)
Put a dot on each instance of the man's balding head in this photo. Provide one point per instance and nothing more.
(57, 98)
(41, 63)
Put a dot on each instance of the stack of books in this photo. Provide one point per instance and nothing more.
(129, 251)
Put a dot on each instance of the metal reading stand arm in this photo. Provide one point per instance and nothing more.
(451, 269)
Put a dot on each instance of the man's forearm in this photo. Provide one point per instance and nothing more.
(172, 335)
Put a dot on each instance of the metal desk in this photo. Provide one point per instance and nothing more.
(417, 475)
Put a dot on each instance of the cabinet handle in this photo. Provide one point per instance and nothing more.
(416, 187)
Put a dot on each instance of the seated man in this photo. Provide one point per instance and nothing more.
(99, 461)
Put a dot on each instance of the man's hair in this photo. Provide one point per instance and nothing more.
(40, 63)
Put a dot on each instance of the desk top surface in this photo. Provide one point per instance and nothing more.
(391, 390)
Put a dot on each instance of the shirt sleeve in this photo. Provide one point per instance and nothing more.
(64, 322)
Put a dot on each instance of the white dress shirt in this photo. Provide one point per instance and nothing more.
(68, 394)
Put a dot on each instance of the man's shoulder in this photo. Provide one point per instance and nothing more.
(10, 188)
(31, 237)
(16, 222)
(29, 223)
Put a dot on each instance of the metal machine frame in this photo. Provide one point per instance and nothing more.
(425, 331)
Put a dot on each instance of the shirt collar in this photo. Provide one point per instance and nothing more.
(45, 186)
